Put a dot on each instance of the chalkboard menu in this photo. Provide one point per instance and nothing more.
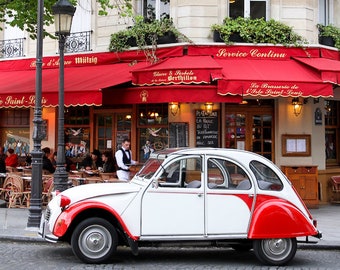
(178, 135)
(206, 129)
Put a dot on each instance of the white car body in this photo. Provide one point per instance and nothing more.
(227, 202)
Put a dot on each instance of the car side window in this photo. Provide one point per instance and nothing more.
(224, 174)
(182, 173)
(266, 178)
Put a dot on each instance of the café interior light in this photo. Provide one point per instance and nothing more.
(209, 107)
(297, 106)
(174, 107)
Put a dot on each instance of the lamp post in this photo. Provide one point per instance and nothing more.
(38, 131)
(63, 12)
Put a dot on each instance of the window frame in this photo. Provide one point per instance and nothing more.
(246, 12)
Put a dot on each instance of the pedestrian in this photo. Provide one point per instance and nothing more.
(109, 162)
(124, 160)
(11, 159)
(47, 164)
(94, 161)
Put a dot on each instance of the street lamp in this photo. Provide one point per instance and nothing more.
(34, 216)
(63, 12)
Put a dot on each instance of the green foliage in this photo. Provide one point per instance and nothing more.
(144, 33)
(258, 31)
(330, 31)
(24, 12)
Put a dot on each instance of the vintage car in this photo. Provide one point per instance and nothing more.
(220, 197)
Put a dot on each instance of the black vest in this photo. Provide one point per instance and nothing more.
(126, 159)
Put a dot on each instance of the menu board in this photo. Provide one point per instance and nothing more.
(206, 129)
(179, 135)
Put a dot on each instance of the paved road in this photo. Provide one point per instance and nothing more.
(45, 256)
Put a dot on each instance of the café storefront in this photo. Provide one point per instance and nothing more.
(218, 96)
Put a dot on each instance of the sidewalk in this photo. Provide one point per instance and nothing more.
(13, 226)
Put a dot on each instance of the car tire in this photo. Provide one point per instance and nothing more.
(275, 251)
(94, 240)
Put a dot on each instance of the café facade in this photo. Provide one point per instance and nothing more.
(268, 99)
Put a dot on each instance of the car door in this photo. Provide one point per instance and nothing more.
(229, 198)
(175, 207)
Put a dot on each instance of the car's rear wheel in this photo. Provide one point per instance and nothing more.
(94, 240)
(275, 251)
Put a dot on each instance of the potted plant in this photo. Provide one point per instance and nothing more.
(329, 35)
(144, 33)
(256, 31)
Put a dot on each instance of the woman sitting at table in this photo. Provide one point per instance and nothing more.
(11, 159)
(93, 162)
(109, 163)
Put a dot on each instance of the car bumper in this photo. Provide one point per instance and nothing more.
(44, 230)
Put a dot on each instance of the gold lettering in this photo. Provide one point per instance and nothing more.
(86, 60)
(269, 54)
(225, 53)
(14, 101)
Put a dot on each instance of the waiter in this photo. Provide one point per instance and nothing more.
(124, 160)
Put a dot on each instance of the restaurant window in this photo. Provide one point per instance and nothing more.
(15, 130)
(152, 128)
(249, 9)
(77, 131)
(332, 127)
(155, 9)
(250, 127)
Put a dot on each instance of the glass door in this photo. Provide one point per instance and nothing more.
(111, 129)
(250, 127)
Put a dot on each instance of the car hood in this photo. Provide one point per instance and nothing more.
(92, 191)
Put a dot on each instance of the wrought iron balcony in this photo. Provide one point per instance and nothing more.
(12, 48)
(78, 42)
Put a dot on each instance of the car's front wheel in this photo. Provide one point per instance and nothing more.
(275, 251)
(94, 240)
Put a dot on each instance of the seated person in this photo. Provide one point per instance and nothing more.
(47, 164)
(93, 162)
(109, 164)
(11, 159)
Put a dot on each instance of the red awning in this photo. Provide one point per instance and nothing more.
(167, 93)
(177, 70)
(82, 85)
(270, 78)
(329, 69)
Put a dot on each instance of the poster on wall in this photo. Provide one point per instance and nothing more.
(77, 142)
(17, 139)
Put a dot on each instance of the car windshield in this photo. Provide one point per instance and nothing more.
(149, 168)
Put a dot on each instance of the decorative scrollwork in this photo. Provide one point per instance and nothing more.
(12, 48)
(78, 42)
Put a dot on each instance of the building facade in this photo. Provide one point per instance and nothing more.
(109, 96)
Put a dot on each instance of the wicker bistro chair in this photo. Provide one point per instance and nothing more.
(48, 185)
(335, 185)
(13, 190)
(46, 194)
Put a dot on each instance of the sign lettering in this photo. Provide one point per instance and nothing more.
(20, 101)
